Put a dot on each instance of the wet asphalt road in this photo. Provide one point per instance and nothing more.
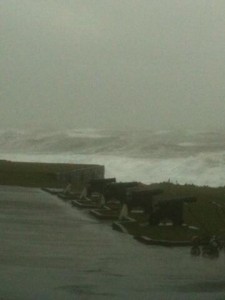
(50, 250)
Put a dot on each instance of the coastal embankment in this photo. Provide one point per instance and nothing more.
(36, 174)
(50, 250)
(207, 214)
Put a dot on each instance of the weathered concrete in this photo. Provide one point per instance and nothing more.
(50, 250)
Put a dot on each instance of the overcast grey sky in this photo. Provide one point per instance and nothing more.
(151, 64)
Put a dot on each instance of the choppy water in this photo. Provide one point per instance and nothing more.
(52, 251)
(147, 156)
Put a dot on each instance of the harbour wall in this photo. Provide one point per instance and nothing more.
(55, 175)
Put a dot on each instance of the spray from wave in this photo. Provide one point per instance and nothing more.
(147, 156)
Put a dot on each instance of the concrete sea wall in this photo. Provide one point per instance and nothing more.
(31, 174)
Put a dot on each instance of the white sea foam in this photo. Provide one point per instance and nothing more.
(140, 156)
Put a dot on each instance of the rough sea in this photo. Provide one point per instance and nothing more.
(192, 157)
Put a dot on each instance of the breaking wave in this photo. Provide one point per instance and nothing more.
(147, 156)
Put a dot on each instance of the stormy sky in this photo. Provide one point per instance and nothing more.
(151, 64)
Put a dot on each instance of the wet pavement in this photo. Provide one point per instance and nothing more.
(50, 250)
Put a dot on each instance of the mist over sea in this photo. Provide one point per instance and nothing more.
(192, 157)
